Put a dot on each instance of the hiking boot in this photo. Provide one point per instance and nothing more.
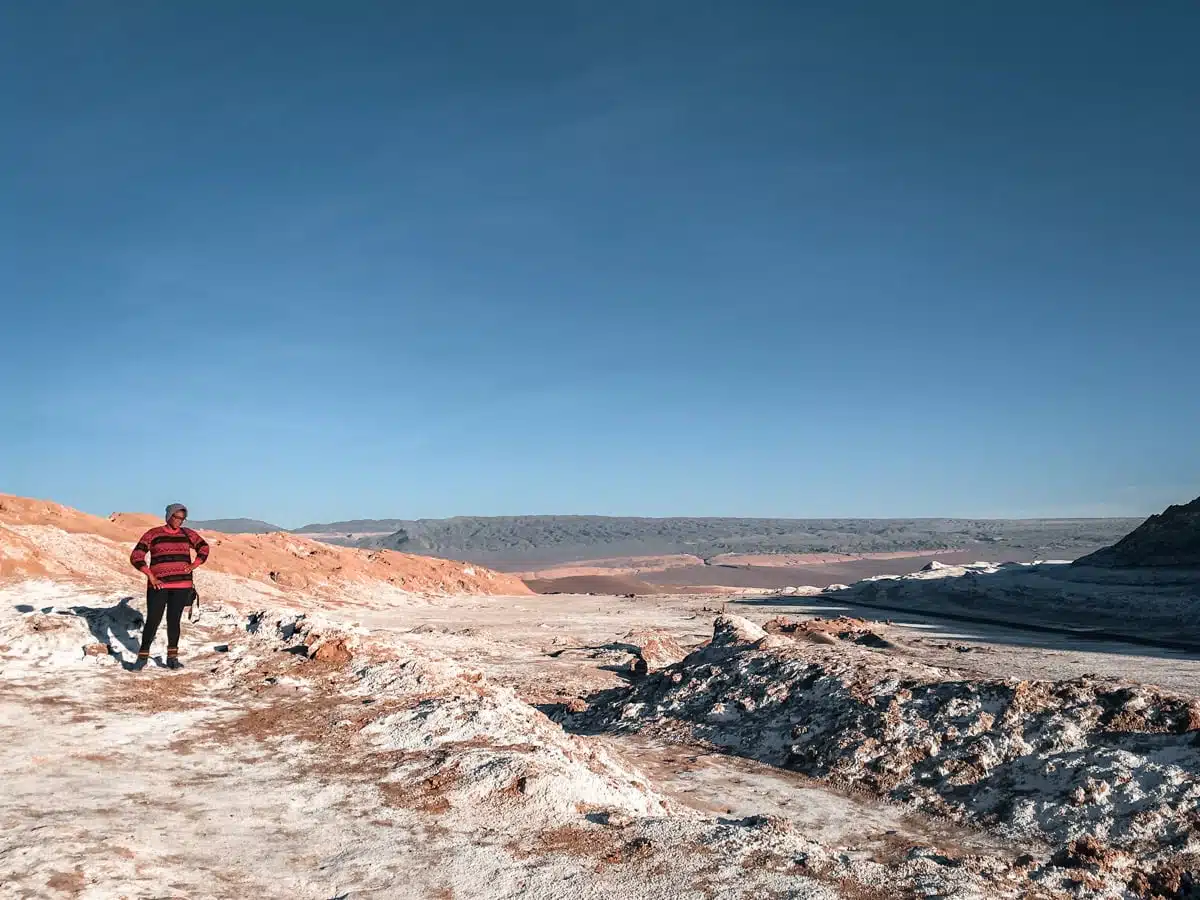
(140, 663)
(174, 663)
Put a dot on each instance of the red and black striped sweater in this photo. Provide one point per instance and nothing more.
(170, 555)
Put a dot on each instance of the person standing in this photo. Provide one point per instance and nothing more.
(169, 585)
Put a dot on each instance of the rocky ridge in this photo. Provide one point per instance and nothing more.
(1114, 766)
(1171, 538)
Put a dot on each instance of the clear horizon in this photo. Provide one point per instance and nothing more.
(291, 527)
(668, 260)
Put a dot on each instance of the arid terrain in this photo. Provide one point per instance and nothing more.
(730, 574)
(355, 722)
(613, 555)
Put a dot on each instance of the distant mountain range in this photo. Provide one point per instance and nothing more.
(358, 526)
(258, 526)
(553, 539)
(236, 526)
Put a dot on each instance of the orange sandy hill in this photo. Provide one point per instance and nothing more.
(40, 539)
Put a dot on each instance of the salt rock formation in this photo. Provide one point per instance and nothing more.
(655, 650)
(1171, 538)
(1047, 760)
(730, 631)
(455, 740)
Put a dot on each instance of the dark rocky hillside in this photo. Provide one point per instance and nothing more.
(1171, 538)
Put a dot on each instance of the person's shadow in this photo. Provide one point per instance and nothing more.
(117, 624)
(108, 624)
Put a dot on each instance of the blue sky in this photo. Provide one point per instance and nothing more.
(305, 261)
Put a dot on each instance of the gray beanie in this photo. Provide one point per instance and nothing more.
(174, 508)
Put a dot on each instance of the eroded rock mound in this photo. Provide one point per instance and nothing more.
(734, 631)
(655, 650)
(829, 631)
(445, 738)
(1054, 761)
(1171, 538)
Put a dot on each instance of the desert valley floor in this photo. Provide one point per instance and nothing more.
(333, 736)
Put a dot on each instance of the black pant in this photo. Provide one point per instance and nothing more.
(172, 601)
